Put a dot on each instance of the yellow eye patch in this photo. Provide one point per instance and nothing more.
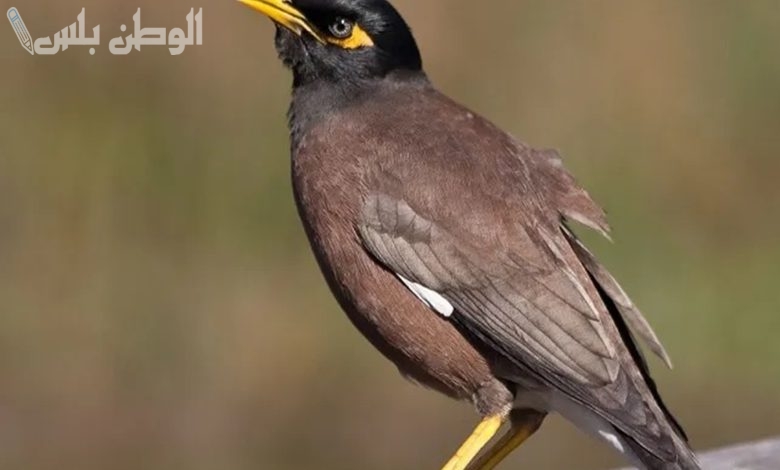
(359, 38)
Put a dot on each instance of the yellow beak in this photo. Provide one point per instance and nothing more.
(281, 12)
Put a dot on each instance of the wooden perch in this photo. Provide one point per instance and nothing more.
(762, 455)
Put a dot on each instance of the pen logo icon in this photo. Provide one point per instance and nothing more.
(177, 39)
(21, 30)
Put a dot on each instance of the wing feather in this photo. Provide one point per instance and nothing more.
(545, 314)
(634, 318)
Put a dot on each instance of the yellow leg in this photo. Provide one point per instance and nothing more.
(524, 424)
(482, 434)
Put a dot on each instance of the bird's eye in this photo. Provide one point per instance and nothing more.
(341, 28)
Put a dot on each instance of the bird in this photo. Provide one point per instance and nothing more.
(449, 244)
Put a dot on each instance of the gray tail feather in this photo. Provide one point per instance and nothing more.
(685, 458)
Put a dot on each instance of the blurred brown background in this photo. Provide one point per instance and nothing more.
(159, 307)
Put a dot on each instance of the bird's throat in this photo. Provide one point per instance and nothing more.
(313, 101)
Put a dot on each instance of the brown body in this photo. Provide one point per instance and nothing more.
(331, 187)
(500, 204)
(481, 182)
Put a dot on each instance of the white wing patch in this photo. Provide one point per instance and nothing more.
(429, 297)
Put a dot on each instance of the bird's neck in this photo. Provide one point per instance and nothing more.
(315, 100)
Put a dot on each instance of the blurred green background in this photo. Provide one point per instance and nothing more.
(160, 308)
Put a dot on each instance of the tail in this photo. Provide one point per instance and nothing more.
(684, 458)
(670, 452)
(629, 320)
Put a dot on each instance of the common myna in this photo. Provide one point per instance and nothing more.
(446, 241)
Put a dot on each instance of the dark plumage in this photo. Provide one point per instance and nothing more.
(445, 241)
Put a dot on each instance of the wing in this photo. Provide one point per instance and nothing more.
(574, 203)
(623, 304)
(516, 281)
(545, 309)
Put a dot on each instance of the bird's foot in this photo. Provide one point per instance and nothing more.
(482, 434)
(524, 424)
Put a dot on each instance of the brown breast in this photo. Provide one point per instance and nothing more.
(329, 183)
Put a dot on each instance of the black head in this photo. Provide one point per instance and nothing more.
(340, 40)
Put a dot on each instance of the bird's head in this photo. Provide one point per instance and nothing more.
(340, 40)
